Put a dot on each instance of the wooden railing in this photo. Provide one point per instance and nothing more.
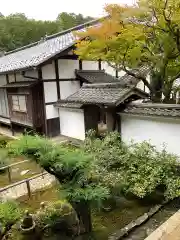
(9, 167)
(24, 187)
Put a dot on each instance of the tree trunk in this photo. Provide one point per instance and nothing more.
(156, 86)
(83, 211)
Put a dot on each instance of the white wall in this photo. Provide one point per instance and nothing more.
(48, 71)
(108, 69)
(2, 80)
(4, 108)
(50, 92)
(158, 131)
(90, 65)
(51, 112)
(68, 87)
(72, 123)
(11, 78)
(67, 68)
(32, 73)
(140, 85)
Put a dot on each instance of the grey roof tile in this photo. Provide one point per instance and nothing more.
(64, 104)
(143, 109)
(34, 54)
(19, 84)
(95, 76)
(107, 94)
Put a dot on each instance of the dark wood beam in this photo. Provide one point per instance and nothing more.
(57, 78)
(44, 106)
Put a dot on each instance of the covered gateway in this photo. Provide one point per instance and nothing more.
(94, 103)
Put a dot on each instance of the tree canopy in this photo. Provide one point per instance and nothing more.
(16, 30)
(147, 33)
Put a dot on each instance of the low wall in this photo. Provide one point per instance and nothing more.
(169, 230)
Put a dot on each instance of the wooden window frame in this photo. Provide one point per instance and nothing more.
(18, 101)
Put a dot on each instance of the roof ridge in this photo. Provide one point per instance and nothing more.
(155, 105)
(78, 27)
(103, 85)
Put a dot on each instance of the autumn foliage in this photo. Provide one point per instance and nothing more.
(147, 33)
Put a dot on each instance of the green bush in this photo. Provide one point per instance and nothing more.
(10, 213)
(135, 169)
(4, 140)
(3, 160)
(57, 217)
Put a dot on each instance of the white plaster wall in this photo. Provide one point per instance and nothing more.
(140, 85)
(157, 131)
(2, 80)
(67, 68)
(50, 92)
(72, 123)
(48, 71)
(11, 78)
(90, 65)
(68, 87)
(20, 77)
(108, 69)
(51, 112)
(32, 73)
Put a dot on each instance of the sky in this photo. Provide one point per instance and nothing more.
(49, 9)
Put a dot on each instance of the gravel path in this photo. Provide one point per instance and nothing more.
(21, 190)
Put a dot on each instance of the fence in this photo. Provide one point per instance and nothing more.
(26, 186)
(9, 173)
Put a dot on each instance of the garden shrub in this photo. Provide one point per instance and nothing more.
(136, 169)
(57, 217)
(10, 213)
(4, 141)
(3, 160)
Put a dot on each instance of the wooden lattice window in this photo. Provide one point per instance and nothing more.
(19, 103)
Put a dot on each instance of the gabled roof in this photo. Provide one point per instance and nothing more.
(153, 109)
(34, 54)
(106, 94)
(95, 76)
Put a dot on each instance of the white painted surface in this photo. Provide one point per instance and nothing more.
(51, 112)
(4, 108)
(11, 78)
(108, 69)
(90, 65)
(68, 87)
(2, 80)
(140, 85)
(158, 131)
(32, 73)
(67, 68)
(20, 77)
(48, 71)
(72, 123)
(50, 92)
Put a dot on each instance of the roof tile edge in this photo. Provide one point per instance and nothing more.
(92, 22)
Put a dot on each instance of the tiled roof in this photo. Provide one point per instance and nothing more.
(107, 94)
(36, 53)
(19, 84)
(62, 104)
(132, 81)
(95, 76)
(150, 109)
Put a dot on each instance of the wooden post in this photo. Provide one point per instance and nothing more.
(9, 174)
(28, 188)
